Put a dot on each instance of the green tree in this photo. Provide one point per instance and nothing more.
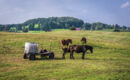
(6, 28)
(13, 29)
(124, 28)
(25, 30)
(86, 26)
(116, 27)
(72, 28)
(31, 27)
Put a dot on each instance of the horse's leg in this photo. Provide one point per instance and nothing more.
(71, 55)
(63, 56)
(83, 55)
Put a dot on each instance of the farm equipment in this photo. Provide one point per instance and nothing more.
(31, 50)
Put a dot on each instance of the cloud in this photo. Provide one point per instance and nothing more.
(126, 4)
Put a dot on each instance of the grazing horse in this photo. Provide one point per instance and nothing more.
(66, 42)
(83, 40)
(77, 49)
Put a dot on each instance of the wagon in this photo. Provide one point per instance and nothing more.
(31, 50)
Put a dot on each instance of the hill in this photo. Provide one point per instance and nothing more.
(47, 24)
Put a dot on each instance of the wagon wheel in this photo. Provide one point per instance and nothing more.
(25, 56)
(32, 57)
(51, 56)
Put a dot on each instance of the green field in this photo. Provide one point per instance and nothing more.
(110, 60)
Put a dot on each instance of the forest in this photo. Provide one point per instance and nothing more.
(46, 24)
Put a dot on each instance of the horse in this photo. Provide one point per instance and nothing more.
(83, 40)
(77, 49)
(66, 42)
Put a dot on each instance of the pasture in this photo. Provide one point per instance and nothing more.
(110, 60)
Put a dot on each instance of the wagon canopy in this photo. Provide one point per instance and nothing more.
(31, 47)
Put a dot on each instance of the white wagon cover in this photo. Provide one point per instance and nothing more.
(31, 47)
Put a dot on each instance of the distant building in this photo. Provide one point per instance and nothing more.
(77, 29)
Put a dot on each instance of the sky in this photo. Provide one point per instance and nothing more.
(105, 11)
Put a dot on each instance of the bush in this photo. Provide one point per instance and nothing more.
(72, 28)
(25, 30)
(116, 30)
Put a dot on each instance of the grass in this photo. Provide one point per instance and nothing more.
(110, 60)
(107, 30)
(44, 31)
(60, 29)
(36, 31)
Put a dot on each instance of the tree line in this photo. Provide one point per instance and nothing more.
(47, 24)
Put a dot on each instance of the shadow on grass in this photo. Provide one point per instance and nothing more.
(57, 58)
(92, 59)
(72, 59)
(45, 58)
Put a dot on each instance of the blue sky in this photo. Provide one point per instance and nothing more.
(106, 11)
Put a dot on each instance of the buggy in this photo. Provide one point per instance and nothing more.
(31, 50)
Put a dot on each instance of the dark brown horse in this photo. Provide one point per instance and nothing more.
(65, 42)
(84, 40)
(77, 49)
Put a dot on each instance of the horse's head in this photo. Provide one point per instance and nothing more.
(69, 41)
(89, 48)
(83, 39)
